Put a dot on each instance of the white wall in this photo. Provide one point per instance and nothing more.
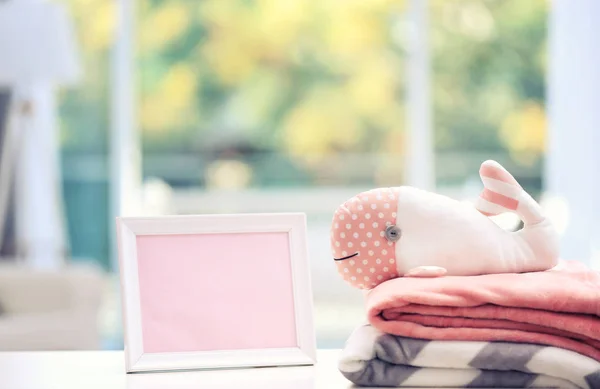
(572, 175)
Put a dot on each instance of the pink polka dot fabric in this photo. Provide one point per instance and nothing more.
(358, 232)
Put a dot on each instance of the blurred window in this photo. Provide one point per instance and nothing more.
(270, 105)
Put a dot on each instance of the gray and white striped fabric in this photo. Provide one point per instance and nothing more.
(372, 358)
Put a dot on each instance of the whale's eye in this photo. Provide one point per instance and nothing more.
(392, 233)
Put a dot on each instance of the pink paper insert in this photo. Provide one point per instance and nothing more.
(216, 292)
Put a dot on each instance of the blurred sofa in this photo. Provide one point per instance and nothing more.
(50, 309)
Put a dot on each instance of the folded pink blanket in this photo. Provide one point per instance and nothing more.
(558, 307)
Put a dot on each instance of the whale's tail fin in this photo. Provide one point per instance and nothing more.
(502, 193)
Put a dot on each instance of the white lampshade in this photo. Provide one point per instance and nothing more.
(37, 44)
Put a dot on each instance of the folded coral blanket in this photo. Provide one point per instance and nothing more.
(372, 358)
(558, 307)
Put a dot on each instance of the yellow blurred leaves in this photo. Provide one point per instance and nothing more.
(231, 49)
(280, 24)
(232, 59)
(96, 23)
(320, 124)
(252, 49)
(102, 26)
(163, 25)
(354, 28)
(180, 85)
(173, 103)
(246, 39)
(241, 36)
(334, 118)
(372, 89)
(524, 133)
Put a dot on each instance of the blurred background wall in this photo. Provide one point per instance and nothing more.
(225, 106)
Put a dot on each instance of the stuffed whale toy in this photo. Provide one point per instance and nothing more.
(403, 231)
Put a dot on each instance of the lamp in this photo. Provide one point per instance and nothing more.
(36, 44)
(37, 55)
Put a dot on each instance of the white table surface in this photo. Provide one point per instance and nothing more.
(105, 369)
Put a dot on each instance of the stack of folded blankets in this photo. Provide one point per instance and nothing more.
(536, 330)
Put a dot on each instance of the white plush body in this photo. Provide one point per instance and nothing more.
(440, 232)
(403, 231)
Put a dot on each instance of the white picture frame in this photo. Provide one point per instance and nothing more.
(138, 359)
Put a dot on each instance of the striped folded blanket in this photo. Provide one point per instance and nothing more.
(373, 358)
(559, 307)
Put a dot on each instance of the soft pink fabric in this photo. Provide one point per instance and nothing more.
(558, 307)
(216, 292)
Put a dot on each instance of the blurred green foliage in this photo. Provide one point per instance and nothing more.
(489, 76)
(310, 80)
(304, 77)
(235, 93)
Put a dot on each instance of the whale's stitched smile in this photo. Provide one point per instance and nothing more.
(349, 256)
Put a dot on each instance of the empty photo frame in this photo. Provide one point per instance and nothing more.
(215, 291)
